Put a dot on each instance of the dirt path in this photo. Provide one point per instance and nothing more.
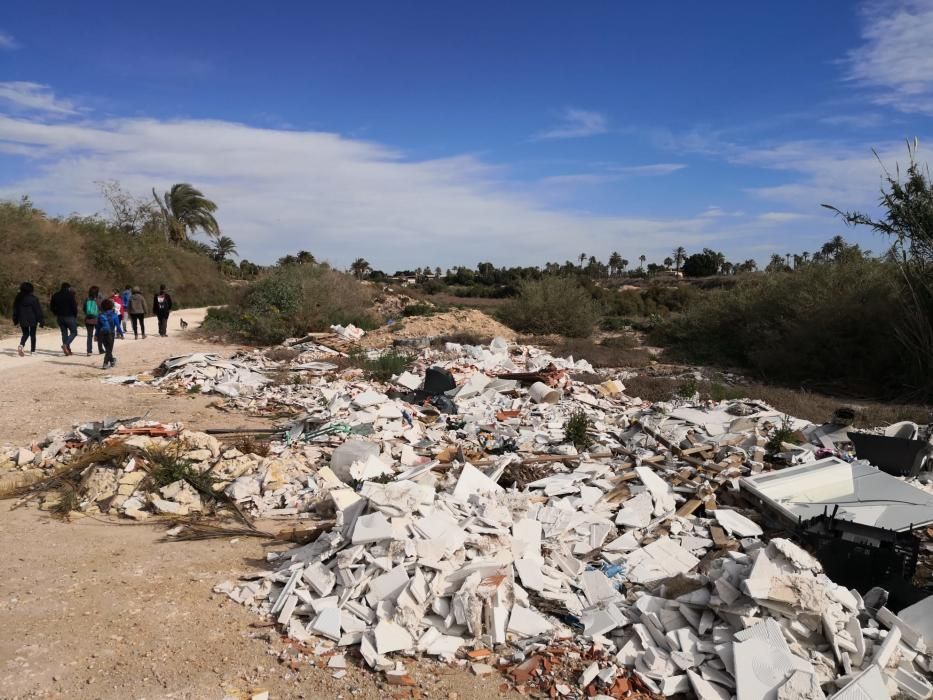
(95, 610)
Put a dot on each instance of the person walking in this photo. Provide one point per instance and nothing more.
(117, 299)
(91, 312)
(27, 314)
(162, 307)
(137, 309)
(65, 307)
(107, 323)
(125, 300)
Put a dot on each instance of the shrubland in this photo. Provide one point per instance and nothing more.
(85, 251)
(293, 300)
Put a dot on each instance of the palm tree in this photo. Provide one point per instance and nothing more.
(224, 247)
(624, 264)
(359, 267)
(582, 258)
(641, 259)
(305, 258)
(805, 255)
(615, 262)
(185, 210)
(668, 262)
(680, 254)
(287, 260)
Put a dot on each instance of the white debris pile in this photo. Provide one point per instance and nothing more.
(209, 373)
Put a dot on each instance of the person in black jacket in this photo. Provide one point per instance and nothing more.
(27, 314)
(162, 307)
(65, 307)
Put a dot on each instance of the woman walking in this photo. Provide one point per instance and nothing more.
(137, 308)
(162, 306)
(91, 312)
(27, 314)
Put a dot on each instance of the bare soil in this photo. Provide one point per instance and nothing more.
(106, 609)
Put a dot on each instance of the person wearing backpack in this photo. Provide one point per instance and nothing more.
(91, 312)
(162, 307)
(27, 314)
(137, 307)
(107, 324)
(65, 307)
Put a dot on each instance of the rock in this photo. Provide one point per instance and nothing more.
(24, 456)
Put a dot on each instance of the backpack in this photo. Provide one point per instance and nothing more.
(90, 311)
(105, 322)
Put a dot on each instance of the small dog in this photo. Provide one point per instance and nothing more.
(183, 323)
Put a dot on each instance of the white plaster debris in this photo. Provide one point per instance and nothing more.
(485, 527)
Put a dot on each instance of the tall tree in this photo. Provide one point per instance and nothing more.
(624, 264)
(224, 247)
(680, 254)
(582, 259)
(641, 259)
(615, 263)
(305, 258)
(668, 262)
(185, 209)
(359, 267)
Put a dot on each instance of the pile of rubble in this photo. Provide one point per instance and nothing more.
(462, 520)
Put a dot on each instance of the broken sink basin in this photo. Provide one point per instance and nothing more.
(864, 495)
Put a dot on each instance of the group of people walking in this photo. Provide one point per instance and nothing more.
(105, 318)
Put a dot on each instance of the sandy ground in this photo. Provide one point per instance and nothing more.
(99, 610)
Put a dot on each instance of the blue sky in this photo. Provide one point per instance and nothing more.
(413, 132)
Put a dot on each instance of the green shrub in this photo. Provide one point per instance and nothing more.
(826, 326)
(577, 430)
(551, 305)
(419, 309)
(382, 367)
(291, 301)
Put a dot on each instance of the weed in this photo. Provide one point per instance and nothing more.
(551, 305)
(688, 388)
(420, 309)
(166, 466)
(249, 445)
(577, 430)
(461, 338)
(781, 434)
(383, 366)
(68, 500)
(194, 389)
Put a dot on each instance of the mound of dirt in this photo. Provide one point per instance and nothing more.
(459, 322)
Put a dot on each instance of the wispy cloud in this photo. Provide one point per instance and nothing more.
(614, 173)
(855, 121)
(8, 42)
(896, 56)
(576, 123)
(781, 217)
(714, 212)
(22, 96)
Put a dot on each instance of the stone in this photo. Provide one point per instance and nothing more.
(392, 637)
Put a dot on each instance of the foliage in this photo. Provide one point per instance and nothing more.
(420, 309)
(783, 433)
(359, 268)
(87, 251)
(551, 305)
(826, 326)
(184, 210)
(383, 366)
(224, 247)
(577, 430)
(908, 219)
(703, 264)
(291, 301)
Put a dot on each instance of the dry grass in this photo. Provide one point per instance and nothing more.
(617, 353)
(817, 408)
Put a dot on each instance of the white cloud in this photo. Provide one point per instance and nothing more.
(23, 96)
(896, 56)
(865, 120)
(8, 42)
(575, 123)
(715, 212)
(280, 191)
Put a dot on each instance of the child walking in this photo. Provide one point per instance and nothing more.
(107, 324)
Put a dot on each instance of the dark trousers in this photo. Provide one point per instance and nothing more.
(163, 325)
(91, 332)
(68, 325)
(107, 340)
(30, 333)
(139, 323)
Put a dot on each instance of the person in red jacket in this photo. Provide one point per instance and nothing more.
(117, 300)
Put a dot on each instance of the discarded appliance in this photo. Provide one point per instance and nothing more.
(900, 454)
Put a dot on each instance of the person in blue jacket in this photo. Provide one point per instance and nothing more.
(107, 325)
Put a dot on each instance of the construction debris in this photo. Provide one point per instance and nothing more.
(478, 534)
